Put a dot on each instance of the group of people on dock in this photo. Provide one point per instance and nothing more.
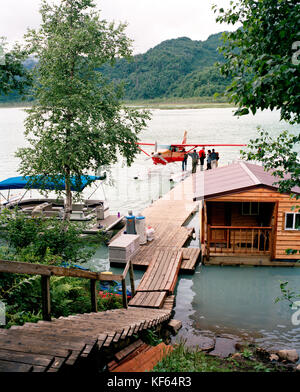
(212, 158)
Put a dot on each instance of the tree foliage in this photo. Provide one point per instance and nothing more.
(14, 77)
(280, 155)
(77, 122)
(260, 56)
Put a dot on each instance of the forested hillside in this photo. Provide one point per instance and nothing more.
(175, 68)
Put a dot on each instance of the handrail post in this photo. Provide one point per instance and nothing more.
(131, 273)
(46, 301)
(124, 294)
(93, 295)
(208, 242)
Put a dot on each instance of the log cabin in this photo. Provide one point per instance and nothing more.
(243, 216)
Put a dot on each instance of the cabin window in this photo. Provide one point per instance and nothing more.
(292, 221)
(250, 208)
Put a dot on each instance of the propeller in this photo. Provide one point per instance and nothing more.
(158, 155)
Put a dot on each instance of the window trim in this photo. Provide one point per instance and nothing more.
(250, 208)
(294, 221)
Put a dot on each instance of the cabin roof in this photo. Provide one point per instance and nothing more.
(233, 178)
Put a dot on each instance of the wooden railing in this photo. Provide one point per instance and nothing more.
(46, 271)
(239, 239)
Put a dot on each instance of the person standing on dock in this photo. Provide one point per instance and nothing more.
(184, 162)
(208, 160)
(195, 158)
(202, 157)
(213, 157)
(217, 159)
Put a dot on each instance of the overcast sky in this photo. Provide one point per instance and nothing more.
(149, 21)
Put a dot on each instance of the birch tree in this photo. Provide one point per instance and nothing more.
(77, 122)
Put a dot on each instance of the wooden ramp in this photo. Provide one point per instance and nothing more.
(160, 279)
(52, 346)
(148, 299)
(162, 272)
(167, 236)
(165, 256)
(190, 257)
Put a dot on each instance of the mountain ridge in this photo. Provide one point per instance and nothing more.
(177, 67)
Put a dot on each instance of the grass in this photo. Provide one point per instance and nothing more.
(185, 359)
(157, 103)
(22, 104)
(181, 103)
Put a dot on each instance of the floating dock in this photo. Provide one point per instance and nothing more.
(105, 225)
(167, 216)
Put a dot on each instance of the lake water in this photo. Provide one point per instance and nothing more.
(223, 300)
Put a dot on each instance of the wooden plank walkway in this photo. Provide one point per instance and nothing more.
(167, 217)
(190, 258)
(52, 346)
(162, 272)
(165, 254)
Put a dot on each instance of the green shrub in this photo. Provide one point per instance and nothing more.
(45, 241)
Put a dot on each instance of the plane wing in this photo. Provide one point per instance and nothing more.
(146, 144)
(154, 144)
(193, 145)
(208, 145)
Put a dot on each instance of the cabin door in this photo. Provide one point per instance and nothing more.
(220, 215)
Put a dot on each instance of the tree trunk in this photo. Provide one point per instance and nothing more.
(68, 200)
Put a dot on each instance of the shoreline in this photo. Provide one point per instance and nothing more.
(162, 104)
(180, 103)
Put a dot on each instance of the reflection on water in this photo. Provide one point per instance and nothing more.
(238, 301)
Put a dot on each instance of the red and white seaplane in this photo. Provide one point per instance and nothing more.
(175, 152)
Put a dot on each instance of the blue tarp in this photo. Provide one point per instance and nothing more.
(42, 182)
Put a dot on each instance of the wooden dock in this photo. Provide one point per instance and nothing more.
(167, 217)
(165, 256)
(105, 224)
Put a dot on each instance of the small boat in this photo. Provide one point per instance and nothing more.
(46, 207)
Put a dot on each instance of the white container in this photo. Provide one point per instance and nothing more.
(140, 225)
(124, 247)
(150, 233)
(102, 212)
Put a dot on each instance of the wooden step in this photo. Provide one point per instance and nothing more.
(144, 360)
(148, 299)
(191, 257)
